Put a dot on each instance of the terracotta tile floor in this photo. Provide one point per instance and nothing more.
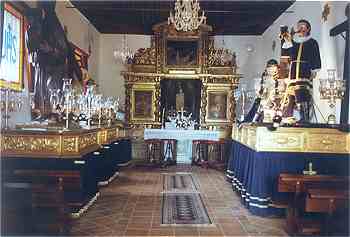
(131, 206)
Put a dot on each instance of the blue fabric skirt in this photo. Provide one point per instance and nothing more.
(254, 175)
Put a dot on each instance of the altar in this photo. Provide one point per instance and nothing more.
(181, 70)
(184, 140)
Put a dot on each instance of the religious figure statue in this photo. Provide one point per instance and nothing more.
(267, 98)
(305, 61)
(180, 99)
(50, 54)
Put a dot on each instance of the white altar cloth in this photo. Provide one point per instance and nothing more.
(179, 134)
(184, 140)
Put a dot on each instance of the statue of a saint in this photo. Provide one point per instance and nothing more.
(180, 100)
(50, 54)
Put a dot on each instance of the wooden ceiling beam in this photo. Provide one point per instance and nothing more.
(226, 17)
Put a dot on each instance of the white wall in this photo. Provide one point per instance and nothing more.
(248, 53)
(331, 49)
(110, 80)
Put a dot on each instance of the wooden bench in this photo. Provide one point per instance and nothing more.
(326, 200)
(60, 194)
(299, 186)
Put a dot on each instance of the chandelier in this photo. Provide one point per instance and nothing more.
(124, 54)
(186, 15)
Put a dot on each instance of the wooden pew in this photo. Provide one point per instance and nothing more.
(50, 210)
(298, 186)
(326, 200)
(53, 197)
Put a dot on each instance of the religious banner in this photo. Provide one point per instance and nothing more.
(11, 67)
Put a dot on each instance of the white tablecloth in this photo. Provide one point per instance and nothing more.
(184, 140)
(178, 134)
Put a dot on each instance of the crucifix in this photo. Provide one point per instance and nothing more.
(339, 30)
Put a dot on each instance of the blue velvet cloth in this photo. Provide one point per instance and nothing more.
(122, 150)
(254, 175)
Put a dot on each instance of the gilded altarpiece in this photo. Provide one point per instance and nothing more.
(181, 56)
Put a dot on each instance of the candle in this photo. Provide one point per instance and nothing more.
(163, 120)
(310, 166)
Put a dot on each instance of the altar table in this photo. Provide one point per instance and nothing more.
(184, 140)
(259, 156)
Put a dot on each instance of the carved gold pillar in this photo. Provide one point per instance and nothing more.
(234, 86)
(159, 50)
(204, 101)
(157, 102)
(128, 88)
(232, 105)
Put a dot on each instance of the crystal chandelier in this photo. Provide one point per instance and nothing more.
(186, 15)
(124, 55)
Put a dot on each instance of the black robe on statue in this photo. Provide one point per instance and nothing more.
(305, 58)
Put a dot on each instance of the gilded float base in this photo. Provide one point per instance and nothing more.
(293, 139)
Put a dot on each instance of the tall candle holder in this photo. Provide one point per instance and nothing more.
(10, 102)
(98, 108)
(332, 89)
(67, 95)
(90, 95)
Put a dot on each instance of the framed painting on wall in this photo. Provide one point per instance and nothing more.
(182, 53)
(217, 105)
(142, 102)
(11, 66)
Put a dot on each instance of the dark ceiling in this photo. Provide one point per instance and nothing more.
(138, 17)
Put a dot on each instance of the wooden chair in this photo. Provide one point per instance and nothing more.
(169, 155)
(154, 150)
(216, 154)
(200, 153)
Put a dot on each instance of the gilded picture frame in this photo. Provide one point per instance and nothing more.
(12, 61)
(182, 55)
(218, 105)
(142, 103)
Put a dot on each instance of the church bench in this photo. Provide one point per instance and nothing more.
(328, 201)
(298, 186)
(36, 203)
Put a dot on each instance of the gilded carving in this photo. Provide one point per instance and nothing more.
(87, 140)
(127, 102)
(69, 144)
(327, 142)
(203, 104)
(220, 57)
(292, 139)
(157, 103)
(111, 134)
(30, 144)
(145, 56)
(165, 60)
(102, 137)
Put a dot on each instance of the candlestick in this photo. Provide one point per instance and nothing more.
(163, 122)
